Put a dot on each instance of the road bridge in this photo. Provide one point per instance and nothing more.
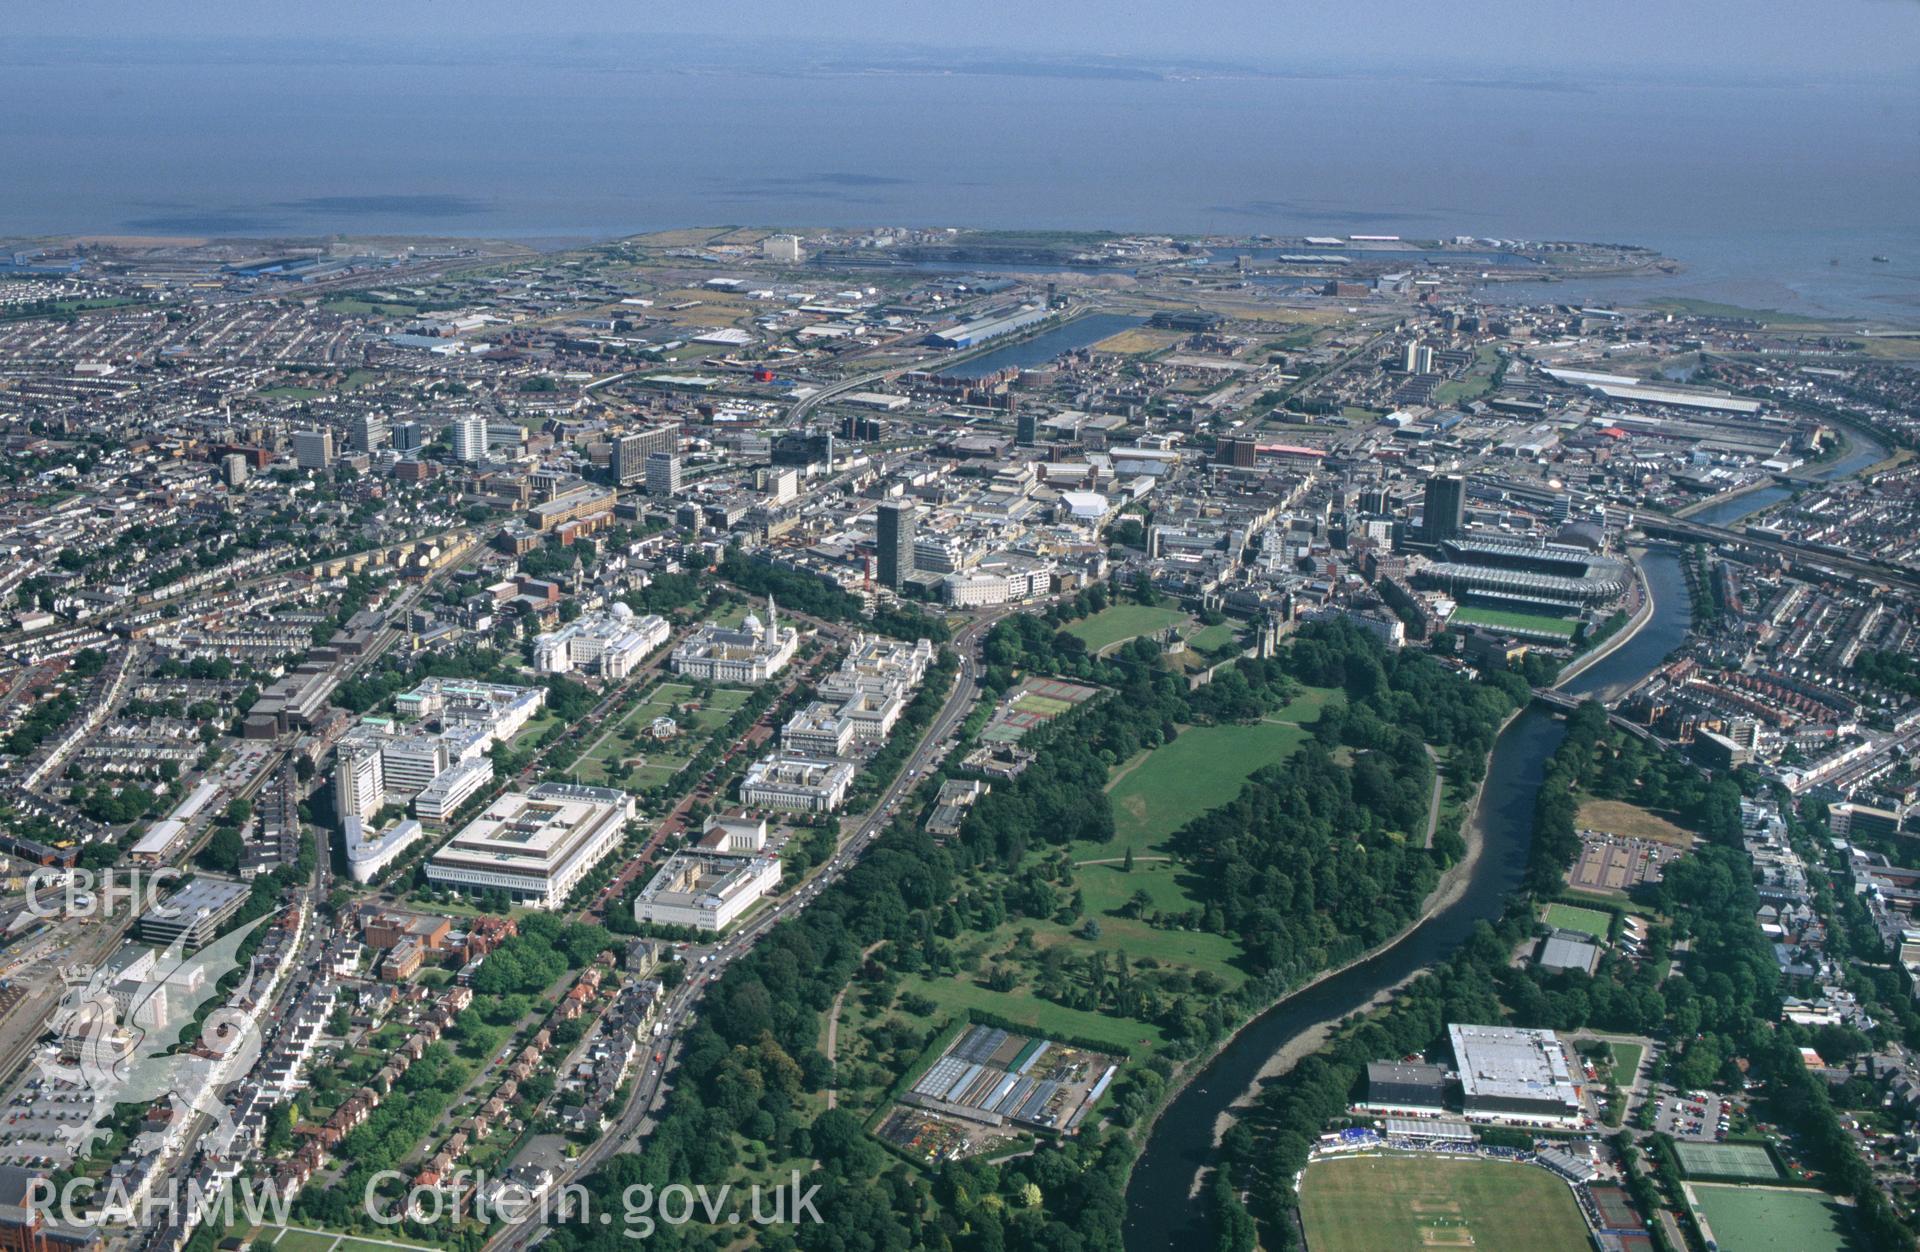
(1663, 526)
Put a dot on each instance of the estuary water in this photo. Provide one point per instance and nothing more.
(1774, 193)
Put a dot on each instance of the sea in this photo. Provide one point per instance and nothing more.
(1772, 193)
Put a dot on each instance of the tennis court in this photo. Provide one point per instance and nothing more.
(1748, 1162)
(1033, 706)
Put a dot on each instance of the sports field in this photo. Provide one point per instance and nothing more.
(1771, 1219)
(1748, 1162)
(1202, 769)
(1504, 619)
(1394, 1203)
(1586, 921)
(1123, 622)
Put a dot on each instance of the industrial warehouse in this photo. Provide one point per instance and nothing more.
(972, 334)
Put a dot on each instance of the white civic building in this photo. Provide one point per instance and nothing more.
(752, 654)
(705, 890)
(782, 780)
(611, 644)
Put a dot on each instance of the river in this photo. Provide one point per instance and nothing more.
(1862, 450)
(1159, 1213)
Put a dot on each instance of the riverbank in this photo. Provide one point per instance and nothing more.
(1726, 497)
(1620, 638)
(1450, 890)
(1182, 1138)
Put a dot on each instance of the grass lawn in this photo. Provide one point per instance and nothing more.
(1586, 921)
(1123, 622)
(1304, 709)
(1208, 638)
(1109, 888)
(1157, 794)
(1763, 1219)
(300, 1239)
(1503, 619)
(1138, 340)
(1477, 381)
(1629, 821)
(663, 760)
(1391, 1203)
(1626, 1061)
(304, 1241)
(1107, 891)
(535, 727)
(1042, 1016)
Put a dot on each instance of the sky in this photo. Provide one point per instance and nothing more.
(1821, 40)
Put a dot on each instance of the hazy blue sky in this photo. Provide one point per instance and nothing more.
(1823, 39)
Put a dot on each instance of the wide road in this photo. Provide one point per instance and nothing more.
(634, 1123)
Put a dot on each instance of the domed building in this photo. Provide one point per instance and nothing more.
(612, 643)
(751, 654)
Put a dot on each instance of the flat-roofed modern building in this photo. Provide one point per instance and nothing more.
(1510, 1072)
(313, 449)
(535, 846)
(630, 452)
(664, 474)
(893, 541)
(369, 852)
(705, 890)
(195, 913)
(440, 799)
(1414, 1088)
(411, 762)
(580, 504)
(359, 779)
(805, 784)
